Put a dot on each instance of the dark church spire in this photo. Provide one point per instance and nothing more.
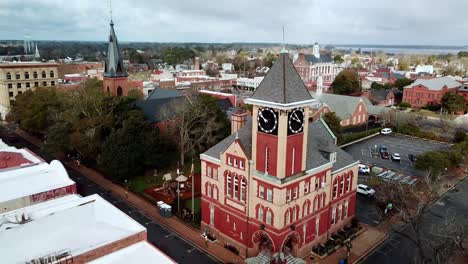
(114, 65)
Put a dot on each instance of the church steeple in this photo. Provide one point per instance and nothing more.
(114, 65)
(115, 77)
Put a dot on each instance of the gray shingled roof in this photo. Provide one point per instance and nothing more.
(320, 143)
(114, 66)
(158, 110)
(282, 84)
(324, 58)
(342, 105)
(164, 93)
(436, 84)
(374, 109)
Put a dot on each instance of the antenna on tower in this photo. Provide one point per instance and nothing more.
(110, 9)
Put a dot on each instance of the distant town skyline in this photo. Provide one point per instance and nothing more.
(361, 22)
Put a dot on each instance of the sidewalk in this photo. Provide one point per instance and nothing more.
(191, 234)
(363, 244)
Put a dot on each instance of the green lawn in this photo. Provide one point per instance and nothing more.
(188, 204)
(141, 183)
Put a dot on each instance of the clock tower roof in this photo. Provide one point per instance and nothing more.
(282, 85)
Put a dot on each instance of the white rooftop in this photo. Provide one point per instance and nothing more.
(33, 179)
(24, 152)
(436, 84)
(70, 223)
(138, 253)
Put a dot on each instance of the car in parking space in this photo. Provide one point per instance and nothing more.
(364, 169)
(365, 190)
(386, 131)
(412, 157)
(396, 157)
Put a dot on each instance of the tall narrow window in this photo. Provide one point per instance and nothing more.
(341, 185)
(333, 216)
(26, 75)
(208, 171)
(296, 192)
(243, 190)
(215, 192)
(345, 213)
(317, 181)
(52, 74)
(339, 212)
(43, 74)
(335, 188)
(288, 195)
(294, 215)
(268, 217)
(18, 76)
(209, 190)
(212, 211)
(229, 186)
(261, 192)
(317, 225)
(215, 173)
(270, 195)
(288, 217)
(293, 159)
(306, 187)
(267, 156)
(260, 213)
(35, 75)
(236, 188)
(8, 76)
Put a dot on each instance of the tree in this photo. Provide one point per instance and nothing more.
(453, 102)
(434, 162)
(333, 122)
(378, 86)
(269, 59)
(346, 82)
(200, 125)
(401, 83)
(338, 59)
(34, 111)
(403, 65)
(129, 149)
(460, 136)
(57, 138)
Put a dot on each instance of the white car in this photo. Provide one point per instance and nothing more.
(363, 169)
(386, 131)
(396, 157)
(364, 189)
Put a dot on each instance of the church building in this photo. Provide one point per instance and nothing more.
(278, 184)
(115, 76)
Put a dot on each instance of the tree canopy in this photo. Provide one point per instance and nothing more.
(338, 59)
(346, 82)
(453, 102)
(401, 83)
(333, 122)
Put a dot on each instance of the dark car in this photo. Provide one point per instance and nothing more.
(383, 149)
(384, 155)
(412, 157)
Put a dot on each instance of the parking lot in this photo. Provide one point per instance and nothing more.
(402, 145)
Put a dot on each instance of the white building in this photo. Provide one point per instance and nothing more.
(310, 67)
(74, 228)
(424, 68)
(249, 83)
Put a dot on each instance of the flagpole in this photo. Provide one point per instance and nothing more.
(193, 191)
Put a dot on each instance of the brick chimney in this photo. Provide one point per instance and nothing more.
(196, 63)
(238, 120)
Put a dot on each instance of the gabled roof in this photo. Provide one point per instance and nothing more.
(342, 105)
(324, 58)
(114, 66)
(245, 137)
(282, 84)
(436, 84)
(158, 110)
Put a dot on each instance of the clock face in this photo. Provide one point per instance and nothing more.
(267, 120)
(296, 121)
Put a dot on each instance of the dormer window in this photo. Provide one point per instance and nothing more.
(333, 157)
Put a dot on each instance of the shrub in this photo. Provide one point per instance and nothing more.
(355, 136)
(404, 105)
(459, 136)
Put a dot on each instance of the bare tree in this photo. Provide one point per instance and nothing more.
(434, 240)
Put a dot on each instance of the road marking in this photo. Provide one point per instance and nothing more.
(170, 235)
(190, 250)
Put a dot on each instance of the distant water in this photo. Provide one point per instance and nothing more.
(403, 49)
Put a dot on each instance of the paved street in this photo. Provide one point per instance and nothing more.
(181, 250)
(396, 144)
(398, 249)
(367, 211)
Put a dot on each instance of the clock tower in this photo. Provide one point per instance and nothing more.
(280, 121)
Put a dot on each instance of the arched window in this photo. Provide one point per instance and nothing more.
(269, 216)
(228, 184)
(347, 184)
(350, 183)
(119, 91)
(243, 189)
(317, 202)
(108, 90)
(52, 74)
(43, 74)
(35, 75)
(8, 76)
(296, 213)
(260, 213)
(287, 217)
(207, 189)
(215, 192)
(342, 184)
(306, 208)
(26, 75)
(236, 188)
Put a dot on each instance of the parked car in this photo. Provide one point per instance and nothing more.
(384, 152)
(364, 189)
(396, 157)
(386, 131)
(383, 149)
(364, 169)
(412, 157)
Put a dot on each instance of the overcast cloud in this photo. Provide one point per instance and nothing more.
(423, 22)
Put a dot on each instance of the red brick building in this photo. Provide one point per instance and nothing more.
(463, 91)
(280, 183)
(429, 91)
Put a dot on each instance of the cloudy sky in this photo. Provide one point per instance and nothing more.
(423, 22)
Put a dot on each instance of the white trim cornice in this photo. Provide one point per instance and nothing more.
(280, 105)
